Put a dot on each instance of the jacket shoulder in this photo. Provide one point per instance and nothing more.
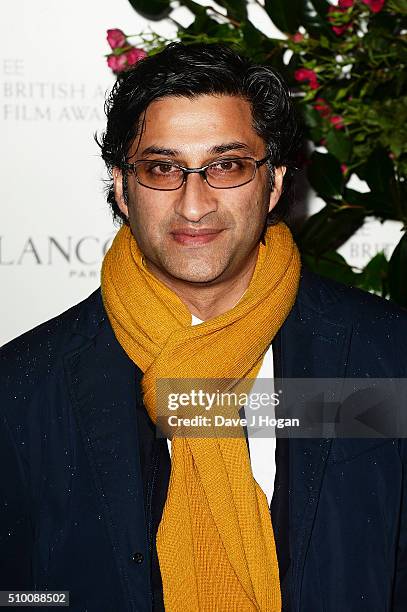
(32, 356)
(377, 327)
(348, 304)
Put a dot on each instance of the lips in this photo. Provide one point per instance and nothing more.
(195, 237)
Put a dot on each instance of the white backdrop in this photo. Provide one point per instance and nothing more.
(54, 221)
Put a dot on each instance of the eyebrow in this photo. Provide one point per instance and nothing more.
(217, 149)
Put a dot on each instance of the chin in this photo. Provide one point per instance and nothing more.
(197, 277)
(196, 274)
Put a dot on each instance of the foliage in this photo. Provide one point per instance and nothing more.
(345, 65)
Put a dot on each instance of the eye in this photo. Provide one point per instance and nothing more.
(160, 168)
(225, 165)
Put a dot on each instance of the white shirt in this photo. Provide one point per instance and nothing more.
(262, 449)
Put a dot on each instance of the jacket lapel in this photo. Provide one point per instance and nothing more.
(102, 382)
(311, 345)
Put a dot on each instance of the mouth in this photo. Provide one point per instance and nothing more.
(195, 237)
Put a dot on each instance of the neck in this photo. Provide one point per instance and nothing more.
(207, 301)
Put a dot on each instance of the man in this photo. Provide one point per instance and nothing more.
(203, 281)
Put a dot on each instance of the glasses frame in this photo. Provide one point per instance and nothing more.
(202, 171)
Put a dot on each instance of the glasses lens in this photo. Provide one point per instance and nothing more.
(230, 172)
(159, 175)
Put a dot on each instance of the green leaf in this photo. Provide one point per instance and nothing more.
(194, 7)
(380, 23)
(312, 118)
(398, 5)
(333, 265)
(315, 21)
(325, 175)
(378, 171)
(338, 144)
(356, 198)
(152, 9)
(204, 27)
(321, 7)
(286, 16)
(379, 204)
(374, 275)
(373, 203)
(313, 122)
(341, 93)
(329, 228)
(398, 272)
(237, 9)
(252, 37)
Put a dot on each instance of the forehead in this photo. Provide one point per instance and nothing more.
(198, 124)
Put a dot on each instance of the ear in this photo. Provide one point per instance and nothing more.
(118, 191)
(278, 186)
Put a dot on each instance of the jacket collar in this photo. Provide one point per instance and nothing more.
(314, 296)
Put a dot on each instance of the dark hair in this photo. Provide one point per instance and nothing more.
(193, 70)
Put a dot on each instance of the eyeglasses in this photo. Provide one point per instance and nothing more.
(224, 173)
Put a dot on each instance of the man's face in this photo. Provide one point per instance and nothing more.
(198, 234)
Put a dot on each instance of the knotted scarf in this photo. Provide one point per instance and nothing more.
(215, 541)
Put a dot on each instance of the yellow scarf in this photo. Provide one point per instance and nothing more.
(215, 542)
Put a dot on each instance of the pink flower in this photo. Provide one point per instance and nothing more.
(344, 168)
(135, 55)
(297, 37)
(116, 38)
(322, 107)
(345, 4)
(339, 30)
(374, 5)
(307, 75)
(337, 122)
(117, 62)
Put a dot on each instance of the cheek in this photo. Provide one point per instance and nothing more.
(251, 213)
(147, 218)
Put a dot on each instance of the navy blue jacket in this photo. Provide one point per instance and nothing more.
(83, 477)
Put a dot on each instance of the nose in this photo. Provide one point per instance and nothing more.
(195, 199)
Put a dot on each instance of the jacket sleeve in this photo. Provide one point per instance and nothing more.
(16, 533)
(400, 580)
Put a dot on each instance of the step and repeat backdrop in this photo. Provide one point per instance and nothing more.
(55, 225)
